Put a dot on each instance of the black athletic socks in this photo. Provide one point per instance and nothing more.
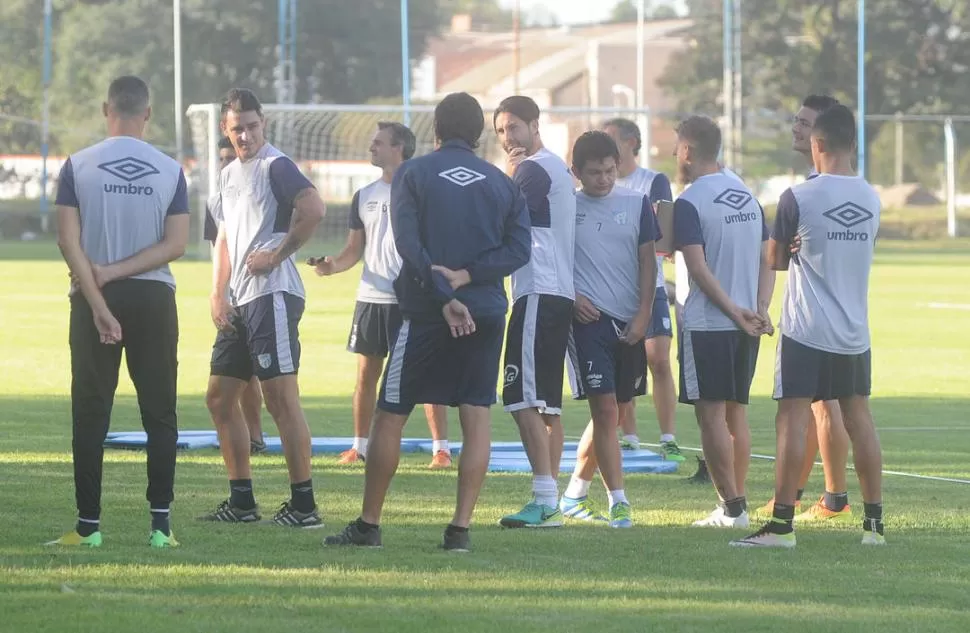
(160, 521)
(781, 519)
(364, 526)
(835, 501)
(735, 507)
(301, 496)
(241, 494)
(873, 517)
(87, 527)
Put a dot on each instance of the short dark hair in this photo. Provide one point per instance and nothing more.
(628, 129)
(459, 116)
(594, 145)
(837, 126)
(400, 135)
(128, 96)
(241, 100)
(225, 143)
(518, 105)
(819, 103)
(702, 134)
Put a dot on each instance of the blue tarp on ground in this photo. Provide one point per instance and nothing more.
(506, 456)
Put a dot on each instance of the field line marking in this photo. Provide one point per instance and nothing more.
(849, 467)
(949, 306)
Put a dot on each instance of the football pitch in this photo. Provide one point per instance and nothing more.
(660, 575)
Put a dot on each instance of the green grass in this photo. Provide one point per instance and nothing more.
(660, 575)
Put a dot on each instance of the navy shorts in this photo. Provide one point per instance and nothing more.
(429, 366)
(660, 324)
(805, 372)
(716, 365)
(374, 327)
(535, 348)
(599, 363)
(265, 342)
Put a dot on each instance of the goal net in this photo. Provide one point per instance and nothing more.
(330, 143)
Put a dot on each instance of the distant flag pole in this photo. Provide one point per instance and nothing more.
(45, 123)
(405, 64)
(861, 87)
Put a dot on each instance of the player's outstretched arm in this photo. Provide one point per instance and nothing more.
(515, 250)
(352, 251)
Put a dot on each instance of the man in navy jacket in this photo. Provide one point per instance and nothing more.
(461, 226)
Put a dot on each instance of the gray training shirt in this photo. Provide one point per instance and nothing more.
(257, 207)
(720, 214)
(609, 233)
(826, 304)
(124, 189)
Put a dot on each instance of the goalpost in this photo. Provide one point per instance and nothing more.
(329, 143)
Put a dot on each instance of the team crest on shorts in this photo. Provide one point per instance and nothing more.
(511, 374)
(264, 360)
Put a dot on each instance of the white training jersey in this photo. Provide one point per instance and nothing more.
(257, 207)
(826, 304)
(548, 188)
(370, 212)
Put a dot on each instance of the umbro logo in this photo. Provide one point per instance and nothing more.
(129, 169)
(461, 176)
(848, 214)
(734, 198)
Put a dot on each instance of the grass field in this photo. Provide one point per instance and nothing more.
(661, 575)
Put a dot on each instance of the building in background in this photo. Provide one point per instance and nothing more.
(583, 67)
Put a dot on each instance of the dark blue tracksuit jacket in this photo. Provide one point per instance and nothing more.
(453, 209)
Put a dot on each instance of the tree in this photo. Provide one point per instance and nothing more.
(486, 15)
(20, 84)
(624, 11)
(917, 55)
(348, 52)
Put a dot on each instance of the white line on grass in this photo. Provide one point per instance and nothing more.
(949, 306)
(772, 458)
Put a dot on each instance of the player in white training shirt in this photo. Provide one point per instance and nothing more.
(826, 432)
(542, 313)
(269, 210)
(824, 352)
(377, 317)
(720, 228)
(660, 333)
(251, 401)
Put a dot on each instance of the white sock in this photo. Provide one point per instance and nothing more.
(616, 496)
(545, 490)
(360, 445)
(632, 439)
(439, 445)
(667, 437)
(578, 488)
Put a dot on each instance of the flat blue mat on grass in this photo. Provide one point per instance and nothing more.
(507, 457)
